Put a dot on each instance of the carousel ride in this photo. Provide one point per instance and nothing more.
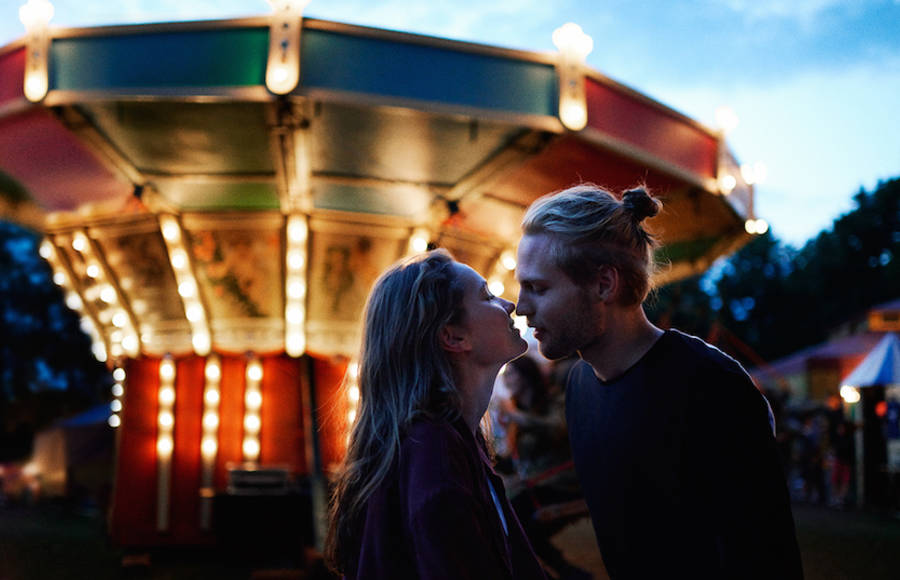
(217, 197)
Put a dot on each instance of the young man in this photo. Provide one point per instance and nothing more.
(672, 442)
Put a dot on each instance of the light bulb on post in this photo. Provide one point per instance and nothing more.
(283, 67)
(35, 16)
(727, 183)
(574, 46)
(726, 119)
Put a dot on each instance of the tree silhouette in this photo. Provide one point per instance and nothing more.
(776, 299)
(46, 366)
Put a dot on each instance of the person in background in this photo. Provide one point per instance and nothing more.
(545, 492)
(417, 497)
(672, 442)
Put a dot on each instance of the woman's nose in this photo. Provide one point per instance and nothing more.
(508, 306)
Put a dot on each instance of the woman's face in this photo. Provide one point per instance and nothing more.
(492, 336)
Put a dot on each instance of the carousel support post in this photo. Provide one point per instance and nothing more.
(318, 489)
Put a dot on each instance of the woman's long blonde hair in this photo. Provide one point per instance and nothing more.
(403, 374)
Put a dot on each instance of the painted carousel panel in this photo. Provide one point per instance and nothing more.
(239, 270)
(426, 72)
(172, 138)
(343, 267)
(228, 57)
(401, 145)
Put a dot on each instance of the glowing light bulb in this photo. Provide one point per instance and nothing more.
(727, 183)
(211, 397)
(209, 446)
(166, 370)
(164, 446)
(253, 400)
(251, 448)
(726, 119)
(252, 423)
(508, 260)
(210, 421)
(850, 394)
(213, 371)
(167, 396)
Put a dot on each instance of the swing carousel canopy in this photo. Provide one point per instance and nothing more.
(236, 185)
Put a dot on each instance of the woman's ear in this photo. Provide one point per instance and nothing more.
(454, 338)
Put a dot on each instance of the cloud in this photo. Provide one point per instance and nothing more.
(804, 11)
(498, 22)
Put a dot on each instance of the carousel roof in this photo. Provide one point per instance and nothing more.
(386, 136)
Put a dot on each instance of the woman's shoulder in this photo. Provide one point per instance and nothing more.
(436, 453)
(430, 437)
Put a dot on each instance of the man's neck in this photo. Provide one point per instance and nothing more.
(627, 337)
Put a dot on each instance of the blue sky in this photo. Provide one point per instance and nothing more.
(815, 83)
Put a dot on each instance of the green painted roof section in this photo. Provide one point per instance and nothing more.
(370, 200)
(176, 61)
(221, 196)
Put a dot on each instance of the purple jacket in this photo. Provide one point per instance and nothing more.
(433, 516)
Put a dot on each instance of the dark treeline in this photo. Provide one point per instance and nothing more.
(47, 369)
(769, 299)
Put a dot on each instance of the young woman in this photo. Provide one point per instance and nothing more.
(417, 497)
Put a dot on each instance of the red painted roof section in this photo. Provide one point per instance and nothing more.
(58, 171)
(12, 71)
(630, 119)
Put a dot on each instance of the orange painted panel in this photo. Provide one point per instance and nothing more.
(231, 417)
(133, 518)
(281, 437)
(331, 408)
(185, 487)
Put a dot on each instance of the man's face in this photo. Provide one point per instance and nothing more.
(560, 311)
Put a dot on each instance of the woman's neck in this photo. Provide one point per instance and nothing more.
(475, 387)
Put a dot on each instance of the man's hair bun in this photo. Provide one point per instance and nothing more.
(639, 204)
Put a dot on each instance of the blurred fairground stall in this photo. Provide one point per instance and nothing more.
(217, 198)
(854, 376)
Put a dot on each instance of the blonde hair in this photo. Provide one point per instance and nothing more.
(591, 227)
(403, 374)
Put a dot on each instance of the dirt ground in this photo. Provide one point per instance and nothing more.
(55, 542)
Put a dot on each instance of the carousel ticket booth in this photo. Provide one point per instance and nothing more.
(218, 197)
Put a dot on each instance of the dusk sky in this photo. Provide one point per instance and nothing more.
(815, 83)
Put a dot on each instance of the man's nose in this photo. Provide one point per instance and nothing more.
(523, 308)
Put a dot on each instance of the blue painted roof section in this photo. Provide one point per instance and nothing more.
(384, 67)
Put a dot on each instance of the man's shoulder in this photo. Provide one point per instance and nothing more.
(719, 378)
(701, 355)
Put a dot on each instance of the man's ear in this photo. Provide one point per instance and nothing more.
(454, 338)
(605, 286)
